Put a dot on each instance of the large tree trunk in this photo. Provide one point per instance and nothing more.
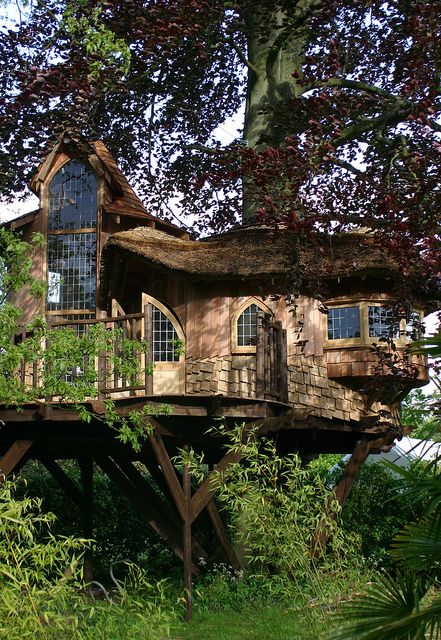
(275, 43)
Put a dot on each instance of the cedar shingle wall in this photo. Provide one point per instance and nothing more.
(308, 384)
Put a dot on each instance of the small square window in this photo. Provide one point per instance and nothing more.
(343, 323)
(383, 323)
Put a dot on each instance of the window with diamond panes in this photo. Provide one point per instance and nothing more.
(247, 326)
(73, 198)
(71, 268)
(343, 322)
(164, 338)
(383, 323)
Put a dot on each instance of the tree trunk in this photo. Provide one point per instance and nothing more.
(275, 43)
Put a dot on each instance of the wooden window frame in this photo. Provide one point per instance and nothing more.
(364, 339)
(237, 349)
(174, 321)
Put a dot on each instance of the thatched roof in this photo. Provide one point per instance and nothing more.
(250, 253)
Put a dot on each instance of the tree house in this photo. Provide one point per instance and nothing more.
(230, 330)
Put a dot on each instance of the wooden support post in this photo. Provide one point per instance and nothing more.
(222, 535)
(188, 582)
(14, 457)
(86, 468)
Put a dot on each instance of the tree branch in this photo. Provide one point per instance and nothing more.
(242, 57)
(388, 118)
(345, 165)
(200, 147)
(346, 83)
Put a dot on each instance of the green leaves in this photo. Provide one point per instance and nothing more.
(404, 608)
(388, 611)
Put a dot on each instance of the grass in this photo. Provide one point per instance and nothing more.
(271, 622)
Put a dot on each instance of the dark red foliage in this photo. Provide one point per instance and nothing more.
(362, 137)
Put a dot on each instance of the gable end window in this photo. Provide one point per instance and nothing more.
(72, 240)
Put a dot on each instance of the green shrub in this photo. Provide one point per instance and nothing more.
(276, 506)
(376, 510)
(119, 532)
(42, 595)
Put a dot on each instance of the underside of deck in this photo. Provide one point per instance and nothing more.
(176, 506)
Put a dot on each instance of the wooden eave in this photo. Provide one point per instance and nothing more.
(21, 221)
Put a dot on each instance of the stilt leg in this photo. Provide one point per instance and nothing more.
(188, 584)
(86, 467)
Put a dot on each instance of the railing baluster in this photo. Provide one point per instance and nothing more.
(124, 341)
(116, 354)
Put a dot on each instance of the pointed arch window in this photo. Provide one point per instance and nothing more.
(247, 326)
(244, 325)
(165, 338)
(72, 240)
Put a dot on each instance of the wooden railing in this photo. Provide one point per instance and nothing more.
(110, 378)
(271, 360)
(271, 356)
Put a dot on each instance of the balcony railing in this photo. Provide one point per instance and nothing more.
(122, 363)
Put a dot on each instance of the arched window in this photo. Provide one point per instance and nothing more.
(244, 325)
(165, 338)
(247, 326)
(71, 253)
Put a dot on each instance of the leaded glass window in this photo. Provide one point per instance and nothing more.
(164, 338)
(383, 323)
(71, 271)
(71, 252)
(73, 198)
(343, 322)
(247, 326)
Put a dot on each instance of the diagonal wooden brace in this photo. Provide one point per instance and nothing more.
(13, 457)
(206, 491)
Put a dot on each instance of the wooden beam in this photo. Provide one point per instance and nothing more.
(14, 456)
(344, 486)
(188, 581)
(169, 472)
(170, 516)
(206, 492)
(148, 505)
(222, 535)
(68, 486)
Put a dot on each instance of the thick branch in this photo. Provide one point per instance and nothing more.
(388, 118)
(346, 83)
(242, 57)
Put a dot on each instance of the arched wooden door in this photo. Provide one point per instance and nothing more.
(164, 334)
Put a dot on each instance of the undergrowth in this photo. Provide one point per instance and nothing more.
(42, 593)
